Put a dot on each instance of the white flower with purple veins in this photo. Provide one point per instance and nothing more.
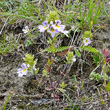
(58, 25)
(72, 27)
(52, 31)
(86, 41)
(43, 27)
(23, 70)
(74, 59)
(51, 22)
(65, 32)
(26, 29)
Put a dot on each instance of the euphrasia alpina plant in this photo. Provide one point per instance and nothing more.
(28, 67)
(53, 26)
(87, 38)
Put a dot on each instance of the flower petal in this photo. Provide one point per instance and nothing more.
(20, 75)
(45, 23)
(52, 34)
(58, 22)
(23, 65)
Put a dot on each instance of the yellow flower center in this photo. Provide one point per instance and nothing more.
(86, 41)
(45, 27)
(27, 30)
(52, 30)
(24, 70)
(57, 26)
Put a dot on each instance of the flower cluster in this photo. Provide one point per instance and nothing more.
(53, 28)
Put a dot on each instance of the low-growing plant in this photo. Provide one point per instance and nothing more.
(28, 67)
(58, 24)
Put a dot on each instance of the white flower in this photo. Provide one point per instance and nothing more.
(51, 22)
(23, 70)
(86, 41)
(65, 32)
(28, 65)
(26, 29)
(72, 27)
(74, 59)
(44, 27)
(58, 26)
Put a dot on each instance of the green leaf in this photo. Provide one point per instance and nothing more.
(97, 57)
(92, 76)
(37, 70)
(105, 76)
(102, 102)
(48, 50)
(63, 85)
(51, 49)
(62, 48)
(74, 78)
(77, 53)
(107, 87)
(98, 77)
(45, 73)
(89, 49)
(87, 34)
(69, 57)
(28, 42)
(6, 102)
(63, 91)
(49, 41)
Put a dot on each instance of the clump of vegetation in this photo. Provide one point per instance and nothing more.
(64, 39)
(52, 16)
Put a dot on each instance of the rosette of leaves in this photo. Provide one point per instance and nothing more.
(52, 16)
(87, 34)
(63, 85)
(30, 62)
